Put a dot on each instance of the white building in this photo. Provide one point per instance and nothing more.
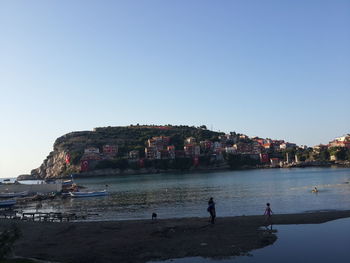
(91, 150)
(230, 149)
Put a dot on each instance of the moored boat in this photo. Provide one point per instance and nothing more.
(88, 194)
(13, 194)
(67, 183)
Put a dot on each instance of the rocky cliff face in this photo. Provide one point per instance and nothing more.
(72, 144)
(54, 166)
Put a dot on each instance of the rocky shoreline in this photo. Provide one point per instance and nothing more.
(144, 240)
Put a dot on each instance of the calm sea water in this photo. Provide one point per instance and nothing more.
(322, 243)
(235, 193)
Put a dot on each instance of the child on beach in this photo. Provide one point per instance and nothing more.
(268, 214)
(211, 210)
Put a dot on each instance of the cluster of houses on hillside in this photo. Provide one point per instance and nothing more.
(339, 142)
(93, 154)
(343, 142)
(161, 148)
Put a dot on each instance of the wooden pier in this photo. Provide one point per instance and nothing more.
(41, 216)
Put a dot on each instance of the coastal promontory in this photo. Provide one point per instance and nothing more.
(120, 149)
(168, 148)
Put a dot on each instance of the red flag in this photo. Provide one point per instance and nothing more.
(84, 166)
(67, 158)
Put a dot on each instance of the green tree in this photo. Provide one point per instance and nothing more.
(236, 161)
(75, 157)
(162, 164)
(324, 156)
(121, 164)
(342, 154)
(134, 165)
(183, 163)
(339, 152)
(348, 154)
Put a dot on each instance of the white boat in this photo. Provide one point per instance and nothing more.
(67, 183)
(88, 194)
(7, 203)
(13, 194)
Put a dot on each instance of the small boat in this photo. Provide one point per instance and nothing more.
(7, 203)
(67, 183)
(88, 194)
(13, 194)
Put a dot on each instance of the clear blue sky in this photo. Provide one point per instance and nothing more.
(277, 69)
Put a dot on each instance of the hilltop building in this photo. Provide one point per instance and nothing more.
(343, 141)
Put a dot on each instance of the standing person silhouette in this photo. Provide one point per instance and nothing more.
(211, 210)
(268, 215)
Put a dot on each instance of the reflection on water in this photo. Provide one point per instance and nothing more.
(321, 243)
(235, 193)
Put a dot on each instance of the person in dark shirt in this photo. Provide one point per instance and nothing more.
(268, 215)
(211, 210)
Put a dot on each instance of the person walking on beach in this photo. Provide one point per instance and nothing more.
(268, 215)
(211, 210)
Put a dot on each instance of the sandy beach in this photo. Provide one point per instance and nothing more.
(145, 240)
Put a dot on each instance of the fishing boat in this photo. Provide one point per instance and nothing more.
(7, 203)
(67, 183)
(88, 194)
(13, 194)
